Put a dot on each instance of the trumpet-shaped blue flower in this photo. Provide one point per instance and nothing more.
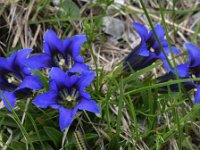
(183, 73)
(149, 49)
(134, 61)
(67, 94)
(149, 41)
(194, 65)
(194, 61)
(60, 53)
(16, 77)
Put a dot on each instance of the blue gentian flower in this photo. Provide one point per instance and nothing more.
(60, 53)
(149, 41)
(194, 65)
(67, 94)
(183, 73)
(134, 61)
(194, 61)
(149, 49)
(15, 77)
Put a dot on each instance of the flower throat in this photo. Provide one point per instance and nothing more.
(68, 97)
(63, 63)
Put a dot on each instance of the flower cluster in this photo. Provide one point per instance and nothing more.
(16, 78)
(150, 49)
(187, 70)
(68, 77)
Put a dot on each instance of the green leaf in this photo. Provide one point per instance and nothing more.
(69, 8)
(47, 146)
(9, 122)
(34, 137)
(54, 135)
(17, 145)
(114, 143)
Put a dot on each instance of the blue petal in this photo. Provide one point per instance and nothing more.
(52, 44)
(143, 51)
(66, 117)
(175, 50)
(85, 79)
(141, 30)
(183, 70)
(75, 47)
(160, 34)
(164, 44)
(159, 31)
(162, 57)
(150, 59)
(39, 61)
(61, 78)
(46, 99)
(8, 97)
(21, 57)
(166, 64)
(31, 82)
(89, 105)
(53, 86)
(84, 94)
(71, 80)
(8, 63)
(194, 54)
(58, 75)
(79, 68)
(197, 96)
(65, 46)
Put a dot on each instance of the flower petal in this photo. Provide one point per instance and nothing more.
(143, 51)
(159, 31)
(66, 117)
(197, 96)
(148, 61)
(8, 97)
(75, 47)
(71, 80)
(175, 50)
(65, 46)
(30, 82)
(84, 94)
(194, 53)
(79, 68)
(89, 105)
(52, 43)
(61, 78)
(58, 76)
(85, 79)
(53, 85)
(162, 57)
(164, 45)
(166, 64)
(21, 57)
(9, 61)
(46, 99)
(141, 30)
(39, 61)
(183, 70)
(134, 61)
